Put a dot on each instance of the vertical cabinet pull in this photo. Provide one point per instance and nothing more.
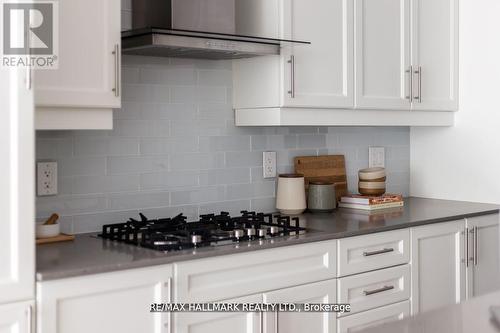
(170, 300)
(475, 246)
(292, 76)
(466, 250)
(29, 314)
(116, 53)
(418, 71)
(261, 322)
(276, 324)
(409, 97)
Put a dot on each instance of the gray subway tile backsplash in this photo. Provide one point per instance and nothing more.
(174, 148)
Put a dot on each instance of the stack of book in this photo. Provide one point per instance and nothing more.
(364, 202)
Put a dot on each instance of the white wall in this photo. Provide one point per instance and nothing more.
(463, 162)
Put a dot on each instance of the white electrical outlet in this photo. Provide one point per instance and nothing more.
(46, 178)
(269, 164)
(376, 157)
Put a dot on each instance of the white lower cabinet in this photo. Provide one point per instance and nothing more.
(221, 322)
(438, 266)
(483, 274)
(291, 322)
(16, 318)
(375, 317)
(102, 303)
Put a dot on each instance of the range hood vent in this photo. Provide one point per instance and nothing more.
(160, 42)
(193, 29)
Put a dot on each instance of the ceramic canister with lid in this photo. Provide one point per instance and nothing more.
(291, 194)
(321, 197)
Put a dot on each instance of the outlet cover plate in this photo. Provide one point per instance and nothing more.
(376, 157)
(269, 164)
(46, 178)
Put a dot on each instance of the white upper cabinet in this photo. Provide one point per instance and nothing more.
(87, 82)
(17, 239)
(407, 54)
(320, 74)
(435, 54)
(382, 49)
(370, 63)
(316, 75)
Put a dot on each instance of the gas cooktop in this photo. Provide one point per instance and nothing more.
(173, 234)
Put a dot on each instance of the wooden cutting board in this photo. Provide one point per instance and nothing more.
(324, 168)
(56, 239)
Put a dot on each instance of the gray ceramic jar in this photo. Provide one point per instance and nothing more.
(321, 197)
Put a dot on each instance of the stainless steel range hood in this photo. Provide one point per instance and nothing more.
(193, 29)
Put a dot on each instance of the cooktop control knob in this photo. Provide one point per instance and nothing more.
(195, 239)
(250, 232)
(238, 233)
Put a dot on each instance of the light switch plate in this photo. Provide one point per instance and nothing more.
(46, 175)
(269, 164)
(376, 157)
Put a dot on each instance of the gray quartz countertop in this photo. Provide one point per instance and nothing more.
(472, 316)
(88, 254)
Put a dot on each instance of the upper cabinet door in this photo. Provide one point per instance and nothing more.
(17, 239)
(89, 57)
(382, 54)
(484, 273)
(435, 54)
(319, 75)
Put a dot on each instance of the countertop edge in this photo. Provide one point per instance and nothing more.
(72, 273)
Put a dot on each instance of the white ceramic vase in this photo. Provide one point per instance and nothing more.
(291, 194)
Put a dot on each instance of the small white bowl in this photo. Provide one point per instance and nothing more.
(47, 230)
(371, 173)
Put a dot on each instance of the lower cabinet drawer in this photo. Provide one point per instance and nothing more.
(364, 320)
(374, 289)
(371, 252)
(231, 276)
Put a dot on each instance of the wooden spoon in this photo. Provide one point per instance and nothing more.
(52, 219)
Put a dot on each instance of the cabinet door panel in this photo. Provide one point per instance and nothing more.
(86, 74)
(382, 53)
(290, 322)
(17, 239)
(484, 273)
(435, 50)
(16, 318)
(323, 70)
(221, 322)
(110, 302)
(438, 269)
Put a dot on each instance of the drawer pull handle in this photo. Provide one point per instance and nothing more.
(376, 291)
(373, 253)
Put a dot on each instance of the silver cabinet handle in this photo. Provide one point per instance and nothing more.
(116, 53)
(475, 246)
(28, 67)
(261, 321)
(419, 84)
(376, 291)
(29, 314)
(410, 84)
(170, 300)
(276, 324)
(373, 253)
(466, 250)
(292, 76)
